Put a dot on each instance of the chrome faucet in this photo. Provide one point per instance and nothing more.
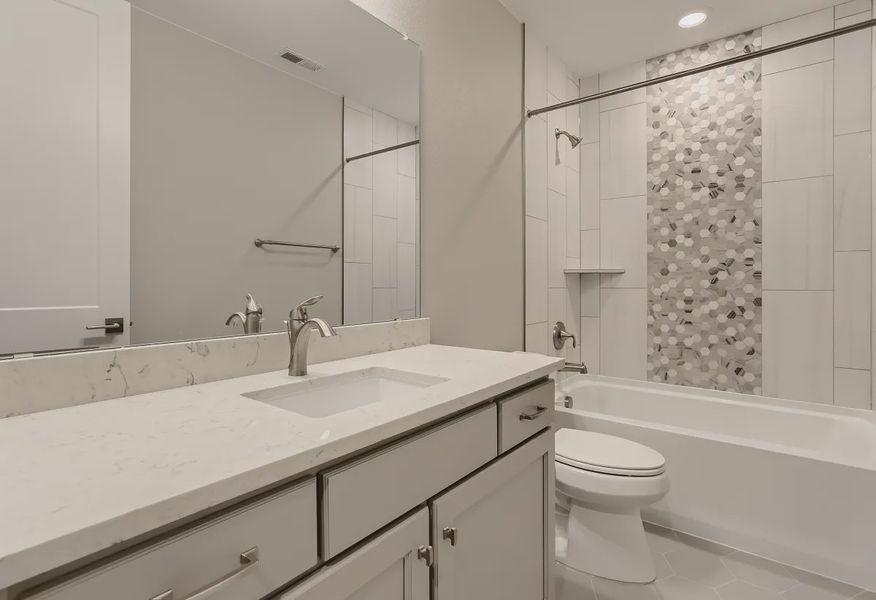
(571, 367)
(298, 327)
(251, 319)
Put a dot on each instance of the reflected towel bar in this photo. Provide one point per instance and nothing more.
(260, 242)
(383, 150)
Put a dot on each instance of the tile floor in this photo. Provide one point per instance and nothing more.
(689, 568)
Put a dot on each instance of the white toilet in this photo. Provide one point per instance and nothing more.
(603, 482)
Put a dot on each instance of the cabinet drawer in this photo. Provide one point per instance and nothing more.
(361, 497)
(244, 554)
(523, 415)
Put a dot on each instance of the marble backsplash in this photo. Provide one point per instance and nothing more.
(30, 385)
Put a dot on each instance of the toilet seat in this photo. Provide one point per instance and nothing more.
(607, 454)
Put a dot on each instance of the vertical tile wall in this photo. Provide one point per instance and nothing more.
(817, 211)
(553, 203)
(381, 262)
(818, 215)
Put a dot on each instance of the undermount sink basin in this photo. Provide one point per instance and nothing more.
(333, 394)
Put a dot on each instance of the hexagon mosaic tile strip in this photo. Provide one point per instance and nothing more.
(704, 219)
(690, 568)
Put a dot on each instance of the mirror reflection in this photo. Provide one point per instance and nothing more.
(179, 171)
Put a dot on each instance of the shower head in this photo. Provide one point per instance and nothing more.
(573, 139)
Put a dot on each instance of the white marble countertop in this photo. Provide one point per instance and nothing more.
(78, 480)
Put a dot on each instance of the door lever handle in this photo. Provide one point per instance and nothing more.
(114, 325)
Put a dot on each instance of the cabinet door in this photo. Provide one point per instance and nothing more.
(493, 533)
(387, 568)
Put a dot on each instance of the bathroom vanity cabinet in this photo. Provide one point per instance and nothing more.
(461, 508)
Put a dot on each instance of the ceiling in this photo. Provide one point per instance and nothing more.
(364, 59)
(597, 35)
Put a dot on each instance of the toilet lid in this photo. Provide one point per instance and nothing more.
(607, 454)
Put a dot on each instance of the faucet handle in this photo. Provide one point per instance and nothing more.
(301, 309)
(561, 335)
(251, 305)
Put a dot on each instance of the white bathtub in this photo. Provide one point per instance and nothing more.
(788, 481)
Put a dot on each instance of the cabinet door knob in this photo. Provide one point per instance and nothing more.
(427, 554)
(449, 533)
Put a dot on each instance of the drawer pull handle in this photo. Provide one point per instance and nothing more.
(539, 411)
(426, 553)
(449, 533)
(248, 559)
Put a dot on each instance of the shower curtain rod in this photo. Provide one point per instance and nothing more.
(715, 65)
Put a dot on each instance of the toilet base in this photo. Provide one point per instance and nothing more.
(611, 545)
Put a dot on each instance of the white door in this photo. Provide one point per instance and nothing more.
(386, 568)
(493, 533)
(64, 172)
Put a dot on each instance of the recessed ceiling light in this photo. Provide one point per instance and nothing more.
(693, 19)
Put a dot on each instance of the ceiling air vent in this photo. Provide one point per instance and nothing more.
(301, 61)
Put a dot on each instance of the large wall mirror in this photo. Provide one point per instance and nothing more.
(184, 169)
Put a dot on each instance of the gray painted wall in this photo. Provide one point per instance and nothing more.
(226, 150)
(471, 166)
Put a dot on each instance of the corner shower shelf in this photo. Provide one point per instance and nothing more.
(595, 271)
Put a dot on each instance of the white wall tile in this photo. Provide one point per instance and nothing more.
(589, 112)
(590, 249)
(589, 344)
(385, 183)
(852, 192)
(793, 29)
(556, 75)
(557, 151)
(622, 156)
(573, 113)
(573, 317)
(851, 388)
(623, 241)
(535, 71)
(384, 253)
(357, 140)
(852, 8)
(536, 270)
(589, 295)
(620, 77)
(798, 127)
(556, 240)
(537, 338)
(573, 218)
(589, 185)
(407, 157)
(798, 234)
(536, 167)
(852, 78)
(407, 277)
(623, 333)
(385, 308)
(357, 293)
(798, 345)
(385, 129)
(407, 209)
(852, 310)
(357, 224)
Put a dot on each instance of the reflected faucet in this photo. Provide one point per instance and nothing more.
(251, 319)
(299, 327)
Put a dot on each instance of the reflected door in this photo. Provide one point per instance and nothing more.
(64, 173)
